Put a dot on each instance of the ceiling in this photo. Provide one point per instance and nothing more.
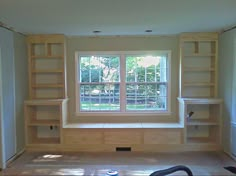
(117, 17)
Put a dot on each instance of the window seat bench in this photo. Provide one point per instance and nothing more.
(123, 125)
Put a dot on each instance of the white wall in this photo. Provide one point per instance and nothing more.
(21, 87)
(227, 69)
(122, 43)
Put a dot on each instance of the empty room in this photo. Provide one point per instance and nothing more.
(122, 88)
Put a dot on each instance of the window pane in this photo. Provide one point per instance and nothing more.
(163, 69)
(145, 68)
(146, 83)
(99, 69)
(146, 97)
(84, 69)
(151, 73)
(99, 97)
(131, 65)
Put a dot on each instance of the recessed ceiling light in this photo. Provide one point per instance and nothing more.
(96, 32)
(148, 30)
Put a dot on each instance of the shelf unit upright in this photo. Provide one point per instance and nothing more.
(202, 120)
(198, 65)
(43, 119)
(47, 104)
(198, 103)
(47, 67)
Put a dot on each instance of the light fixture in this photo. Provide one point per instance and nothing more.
(148, 30)
(96, 32)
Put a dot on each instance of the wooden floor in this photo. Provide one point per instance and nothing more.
(126, 163)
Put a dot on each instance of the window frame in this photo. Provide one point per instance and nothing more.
(122, 111)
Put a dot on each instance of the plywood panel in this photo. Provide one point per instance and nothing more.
(163, 136)
(123, 137)
(75, 136)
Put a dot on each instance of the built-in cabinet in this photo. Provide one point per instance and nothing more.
(44, 120)
(199, 128)
(47, 104)
(202, 120)
(198, 103)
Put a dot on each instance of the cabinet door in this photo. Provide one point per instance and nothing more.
(7, 96)
(234, 86)
(2, 164)
(233, 117)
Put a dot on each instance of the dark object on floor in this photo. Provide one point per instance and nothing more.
(172, 170)
(231, 169)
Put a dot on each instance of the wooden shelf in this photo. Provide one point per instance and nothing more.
(200, 140)
(47, 57)
(199, 84)
(200, 55)
(48, 71)
(45, 102)
(46, 141)
(198, 100)
(48, 86)
(44, 122)
(197, 69)
(194, 122)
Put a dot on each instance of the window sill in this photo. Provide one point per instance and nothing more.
(123, 125)
(98, 114)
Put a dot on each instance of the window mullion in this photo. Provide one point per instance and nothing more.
(122, 83)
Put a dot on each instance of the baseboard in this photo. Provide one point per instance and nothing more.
(13, 158)
(230, 155)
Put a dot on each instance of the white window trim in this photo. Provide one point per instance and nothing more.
(122, 71)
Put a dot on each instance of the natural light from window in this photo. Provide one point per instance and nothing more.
(123, 82)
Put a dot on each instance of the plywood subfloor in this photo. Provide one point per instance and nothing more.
(126, 163)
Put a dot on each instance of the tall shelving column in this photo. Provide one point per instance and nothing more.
(47, 104)
(47, 67)
(198, 103)
(198, 65)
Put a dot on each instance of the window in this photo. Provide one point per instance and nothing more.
(124, 82)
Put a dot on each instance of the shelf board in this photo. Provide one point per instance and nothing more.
(45, 140)
(199, 55)
(44, 123)
(194, 122)
(198, 84)
(47, 86)
(45, 102)
(48, 71)
(47, 57)
(201, 140)
(198, 97)
(200, 100)
(48, 98)
(198, 69)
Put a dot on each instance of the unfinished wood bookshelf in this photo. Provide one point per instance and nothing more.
(198, 65)
(199, 106)
(47, 66)
(47, 104)
(43, 120)
(202, 120)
